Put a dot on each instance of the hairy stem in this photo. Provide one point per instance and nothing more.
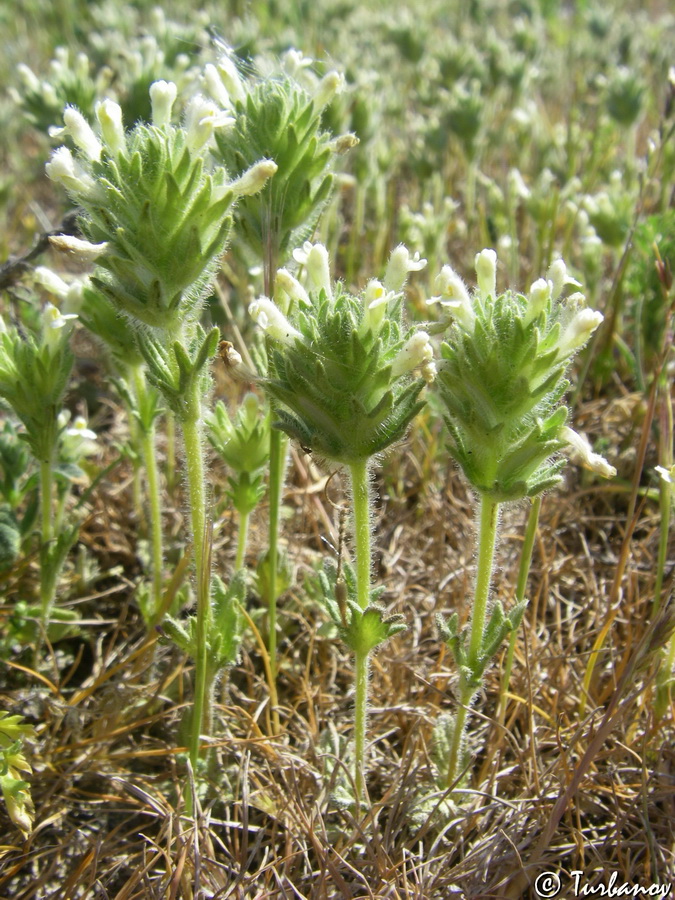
(523, 572)
(149, 452)
(194, 459)
(361, 510)
(47, 579)
(242, 540)
(489, 518)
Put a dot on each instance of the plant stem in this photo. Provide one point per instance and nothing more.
(170, 421)
(361, 508)
(194, 458)
(361, 505)
(242, 539)
(361, 667)
(149, 451)
(47, 580)
(523, 572)
(276, 464)
(489, 519)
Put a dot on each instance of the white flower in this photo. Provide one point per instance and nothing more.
(399, 265)
(78, 439)
(486, 273)
(270, 318)
(578, 331)
(82, 133)
(162, 97)
(64, 168)
(667, 475)
(54, 319)
(314, 257)
(109, 115)
(583, 450)
(417, 351)
(375, 299)
(454, 298)
(293, 62)
(80, 428)
(202, 116)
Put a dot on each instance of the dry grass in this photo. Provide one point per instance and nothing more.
(550, 788)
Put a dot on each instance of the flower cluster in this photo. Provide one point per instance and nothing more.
(340, 364)
(502, 377)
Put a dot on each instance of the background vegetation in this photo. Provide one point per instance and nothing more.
(539, 129)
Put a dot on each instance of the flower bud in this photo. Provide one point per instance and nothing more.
(416, 351)
(582, 449)
(273, 322)
(539, 296)
(109, 115)
(454, 298)
(51, 282)
(63, 167)
(79, 249)
(486, 273)
(231, 79)
(292, 287)
(253, 179)
(331, 84)
(28, 77)
(82, 133)
(162, 97)
(578, 331)
(400, 263)
(558, 277)
(314, 257)
(215, 87)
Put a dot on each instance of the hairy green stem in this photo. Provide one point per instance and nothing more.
(361, 510)
(361, 667)
(242, 540)
(523, 572)
(47, 580)
(194, 460)
(148, 446)
(489, 519)
(276, 481)
(170, 421)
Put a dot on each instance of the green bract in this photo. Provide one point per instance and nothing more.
(502, 379)
(342, 380)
